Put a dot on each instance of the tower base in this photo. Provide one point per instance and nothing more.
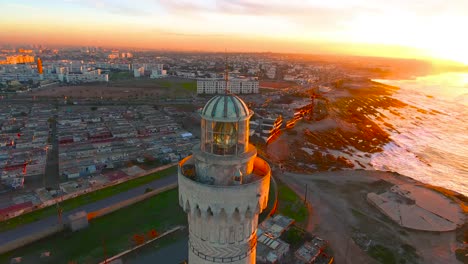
(199, 258)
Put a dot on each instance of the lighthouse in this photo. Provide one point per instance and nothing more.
(223, 186)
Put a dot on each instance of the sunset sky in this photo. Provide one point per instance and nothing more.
(400, 28)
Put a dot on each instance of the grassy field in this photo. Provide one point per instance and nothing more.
(113, 232)
(177, 238)
(123, 75)
(84, 199)
(291, 205)
(170, 82)
(188, 85)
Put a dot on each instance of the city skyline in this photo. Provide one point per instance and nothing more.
(409, 30)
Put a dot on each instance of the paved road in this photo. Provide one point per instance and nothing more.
(27, 229)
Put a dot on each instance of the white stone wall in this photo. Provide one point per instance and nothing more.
(223, 219)
(221, 169)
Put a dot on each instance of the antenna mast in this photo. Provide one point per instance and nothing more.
(226, 74)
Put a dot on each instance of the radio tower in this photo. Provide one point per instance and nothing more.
(226, 75)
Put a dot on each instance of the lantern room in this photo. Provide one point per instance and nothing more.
(225, 126)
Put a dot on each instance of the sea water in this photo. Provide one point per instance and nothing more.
(429, 140)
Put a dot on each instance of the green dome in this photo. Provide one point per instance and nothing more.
(227, 107)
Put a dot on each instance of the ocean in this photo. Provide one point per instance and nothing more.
(430, 140)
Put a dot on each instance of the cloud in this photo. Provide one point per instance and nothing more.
(301, 14)
(179, 34)
(113, 7)
(22, 6)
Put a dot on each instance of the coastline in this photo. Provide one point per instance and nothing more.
(345, 138)
(332, 157)
(362, 130)
(342, 215)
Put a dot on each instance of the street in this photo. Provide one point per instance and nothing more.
(25, 230)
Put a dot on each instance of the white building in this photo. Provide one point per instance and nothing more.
(223, 186)
(87, 76)
(184, 74)
(236, 86)
(139, 72)
(158, 71)
(271, 72)
(289, 77)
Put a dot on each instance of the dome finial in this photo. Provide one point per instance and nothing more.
(226, 74)
(227, 108)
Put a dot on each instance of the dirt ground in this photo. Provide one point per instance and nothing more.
(355, 228)
(276, 84)
(96, 91)
(125, 89)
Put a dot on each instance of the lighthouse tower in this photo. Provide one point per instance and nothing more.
(223, 186)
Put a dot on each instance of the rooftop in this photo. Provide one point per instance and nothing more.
(226, 107)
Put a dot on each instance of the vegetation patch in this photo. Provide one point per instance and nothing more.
(295, 236)
(190, 86)
(462, 254)
(120, 75)
(71, 204)
(382, 254)
(138, 254)
(409, 253)
(108, 235)
(358, 213)
(291, 205)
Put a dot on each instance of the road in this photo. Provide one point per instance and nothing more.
(25, 230)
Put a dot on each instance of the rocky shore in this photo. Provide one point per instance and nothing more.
(346, 137)
(332, 157)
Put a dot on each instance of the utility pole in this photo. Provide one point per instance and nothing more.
(104, 250)
(305, 195)
(59, 213)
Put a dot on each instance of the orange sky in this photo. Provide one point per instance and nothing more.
(378, 28)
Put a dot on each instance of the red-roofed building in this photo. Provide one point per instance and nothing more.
(115, 175)
(14, 210)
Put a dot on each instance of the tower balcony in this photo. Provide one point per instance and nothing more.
(187, 168)
(249, 196)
